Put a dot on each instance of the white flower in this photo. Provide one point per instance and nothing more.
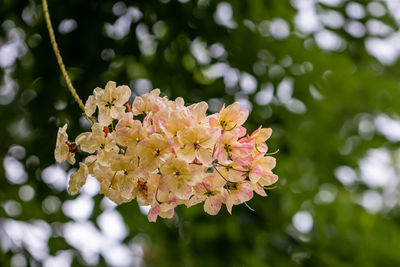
(62, 151)
(110, 102)
(98, 140)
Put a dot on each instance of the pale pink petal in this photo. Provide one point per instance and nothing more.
(229, 203)
(137, 105)
(86, 142)
(235, 176)
(214, 121)
(242, 150)
(108, 90)
(259, 190)
(98, 93)
(253, 134)
(196, 199)
(212, 205)
(255, 174)
(104, 116)
(167, 214)
(78, 179)
(245, 192)
(90, 106)
(215, 180)
(240, 131)
(198, 111)
(230, 113)
(243, 161)
(222, 156)
(124, 92)
(243, 114)
(269, 162)
(180, 102)
(211, 138)
(264, 134)
(187, 153)
(117, 112)
(180, 189)
(262, 147)
(268, 179)
(204, 156)
(153, 213)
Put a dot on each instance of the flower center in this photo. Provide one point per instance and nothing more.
(232, 186)
(110, 104)
(223, 124)
(227, 148)
(196, 145)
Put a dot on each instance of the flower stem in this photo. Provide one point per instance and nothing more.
(272, 153)
(220, 173)
(58, 56)
(250, 208)
(230, 167)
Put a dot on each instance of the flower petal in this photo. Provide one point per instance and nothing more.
(212, 205)
(78, 179)
(153, 213)
(204, 156)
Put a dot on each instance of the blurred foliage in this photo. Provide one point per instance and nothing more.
(323, 113)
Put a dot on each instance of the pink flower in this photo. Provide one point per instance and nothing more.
(238, 193)
(230, 117)
(197, 142)
(261, 170)
(210, 191)
(229, 148)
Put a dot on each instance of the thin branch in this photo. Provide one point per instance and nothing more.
(58, 56)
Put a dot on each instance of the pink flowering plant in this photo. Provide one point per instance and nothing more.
(164, 154)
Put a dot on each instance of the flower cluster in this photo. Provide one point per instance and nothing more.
(164, 153)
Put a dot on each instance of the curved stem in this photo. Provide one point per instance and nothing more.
(226, 166)
(220, 173)
(58, 56)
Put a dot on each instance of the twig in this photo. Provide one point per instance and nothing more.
(58, 56)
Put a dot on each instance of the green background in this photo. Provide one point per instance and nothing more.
(333, 106)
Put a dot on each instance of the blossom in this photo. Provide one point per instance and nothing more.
(165, 154)
(146, 188)
(149, 102)
(109, 101)
(258, 137)
(129, 132)
(238, 193)
(114, 184)
(229, 148)
(230, 117)
(261, 170)
(198, 112)
(97, 140)
(196, 143)
(211, 192)
(174, 122)
(164, 207)
(64, 151)
(179, 177)
(152, 150)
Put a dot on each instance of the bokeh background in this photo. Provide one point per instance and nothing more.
(324, 75)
